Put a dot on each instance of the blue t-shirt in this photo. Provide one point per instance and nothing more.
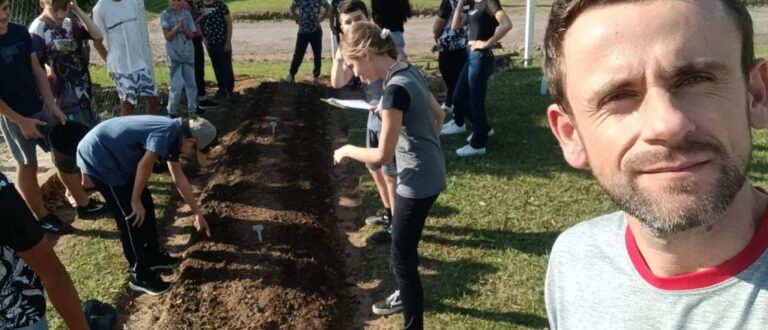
(18, 88)
(111, 151)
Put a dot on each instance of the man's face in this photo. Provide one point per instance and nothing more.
(54, 14)
(188, 148)
(347, 19)
(5, 14)
(660, 109)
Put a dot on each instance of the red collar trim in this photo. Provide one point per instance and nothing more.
(707, 277)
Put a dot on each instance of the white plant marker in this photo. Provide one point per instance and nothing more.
(258, 229)
(274, 125)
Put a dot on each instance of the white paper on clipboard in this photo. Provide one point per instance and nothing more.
(348, 104)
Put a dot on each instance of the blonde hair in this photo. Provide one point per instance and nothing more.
(364, 36)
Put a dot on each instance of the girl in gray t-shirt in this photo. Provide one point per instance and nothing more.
(411, 122)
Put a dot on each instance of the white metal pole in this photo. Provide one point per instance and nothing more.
(333, 40)
(530, 19)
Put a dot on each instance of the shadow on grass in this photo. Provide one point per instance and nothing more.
(462, 237)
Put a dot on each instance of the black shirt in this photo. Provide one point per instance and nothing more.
(391, 14)
(18, 88)
(21, 294)
(482, 19)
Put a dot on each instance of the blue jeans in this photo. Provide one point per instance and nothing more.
(41, 324)
(469, 96)
(182, 76)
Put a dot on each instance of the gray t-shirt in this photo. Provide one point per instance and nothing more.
(420, 163)
(597, 279)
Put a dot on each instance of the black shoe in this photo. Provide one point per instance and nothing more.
(150, 284)
(54, 225)
(93, 208)
(163, 261)
(382, 236)
(198, 112)
(208, 104)
(173, 115)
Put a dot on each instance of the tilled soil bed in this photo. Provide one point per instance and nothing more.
(293, 278)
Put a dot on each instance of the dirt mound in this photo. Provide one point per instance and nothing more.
(292, 279)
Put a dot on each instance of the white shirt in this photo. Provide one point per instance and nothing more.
(124, 26)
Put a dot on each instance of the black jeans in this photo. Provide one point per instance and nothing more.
(302, 40)
(407, 225)
(469, 96)
(451, 63)
(139, 244)
(199, 65)
(222, 67)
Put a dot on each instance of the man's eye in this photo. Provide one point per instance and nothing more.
(694, 80)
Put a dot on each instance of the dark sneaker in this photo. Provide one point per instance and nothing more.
(163, 261)
(93, 208)
(208, 104)
(389, 306)
(54, 225)
(377, 220)
(382, 236)
(173, 115)
(152, 285)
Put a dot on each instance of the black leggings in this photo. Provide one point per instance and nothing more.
(451, 64)
(140, 243)
(407, 225)
(199, 65)
(315, 39)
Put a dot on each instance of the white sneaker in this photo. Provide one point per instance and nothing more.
(446, 108)
(451, 128)
(490, 133)
(468, 151)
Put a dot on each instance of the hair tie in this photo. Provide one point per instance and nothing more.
(385, 33)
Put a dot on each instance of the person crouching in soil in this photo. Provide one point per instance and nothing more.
(118, 155)
(410, 129)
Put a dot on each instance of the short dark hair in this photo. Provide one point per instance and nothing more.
(351, 6)
(565, 12)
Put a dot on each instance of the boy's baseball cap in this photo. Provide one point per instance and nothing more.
(203, 132)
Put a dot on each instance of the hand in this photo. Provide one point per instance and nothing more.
(28, 128)
(205, 12)
(180, 23)
(228, 46)
(59, 116)
(478, 44)
(138, 213)
(201, 224)
(340, 156)
(434, 48)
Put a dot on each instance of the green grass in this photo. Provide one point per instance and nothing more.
(266, 9)
(93, 256)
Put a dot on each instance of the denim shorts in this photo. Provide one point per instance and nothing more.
(399, 38)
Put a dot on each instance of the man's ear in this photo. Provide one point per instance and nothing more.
(758, 94)
(566, 133)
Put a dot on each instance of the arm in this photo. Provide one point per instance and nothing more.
(505, 25)
(41, 78)
(391, 123)
(458, 21)
(185, 190)
(170, 33)
(340, 73)
(437, 112)
(58, 285)
(28, 126)
(89, 24)
(228, 44)
(99, 43)
(143, 172)
(437, 28)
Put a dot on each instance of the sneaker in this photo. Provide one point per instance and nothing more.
(94, 207)
(197, 111)
(207, 104)
(290, 79)
(152, 285)
(382, 236)
(389, 306)
(173, 115)
(316, 80)
(377, 220)
(467, 151)
(54, 225)
(446, 108)
(490, 133)
(163, 261)
(451, 128)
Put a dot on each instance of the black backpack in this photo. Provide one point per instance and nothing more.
(99, 315)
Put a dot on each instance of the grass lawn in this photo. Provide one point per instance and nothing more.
(486, 244)
(269, 8)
